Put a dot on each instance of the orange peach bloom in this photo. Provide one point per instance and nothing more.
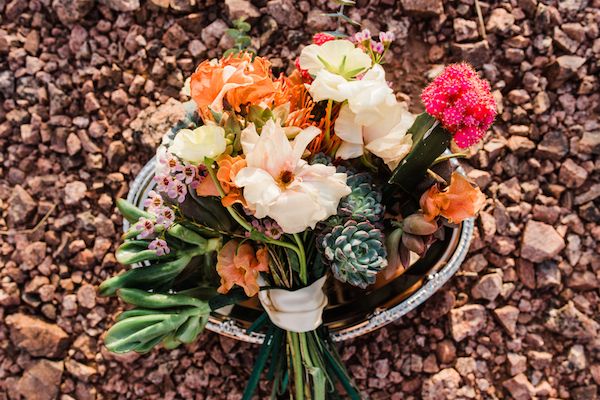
(228, 169)
(238, 264)
(237, 79)
(456, 203)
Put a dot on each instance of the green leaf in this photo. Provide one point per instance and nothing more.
(189, 331)
(135, 251)
(422, 124)
(187, 235)
(130, 212)
(145, 299)
(414, 167)
(136, 312)
(234, 296)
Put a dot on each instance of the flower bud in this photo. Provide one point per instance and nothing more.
(413, 243)
(416, 224)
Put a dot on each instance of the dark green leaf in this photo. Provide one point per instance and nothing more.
(131, 212)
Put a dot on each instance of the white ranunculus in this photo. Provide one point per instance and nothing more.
(195, 145)
(326, 86)
(340, 57)
(386, 138)
(279, 184)
(369, 97)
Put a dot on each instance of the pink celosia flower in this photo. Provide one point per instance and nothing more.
(462, 102)
(160, 246)
(146, 226)
(322, 37)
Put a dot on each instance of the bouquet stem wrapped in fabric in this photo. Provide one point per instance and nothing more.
(279, 185)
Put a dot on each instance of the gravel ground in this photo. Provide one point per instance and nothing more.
(81, 84)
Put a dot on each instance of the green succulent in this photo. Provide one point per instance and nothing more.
(356, 252)
(364, 202)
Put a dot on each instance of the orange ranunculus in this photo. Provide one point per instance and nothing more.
(236, 78)
(228, 169)
(458, 202)
(238, 264)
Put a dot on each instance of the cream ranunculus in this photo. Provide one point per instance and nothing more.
(279, 184)
(340, 57)
(386, 138)
(207, 141)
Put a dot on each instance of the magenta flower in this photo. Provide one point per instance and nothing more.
(187, 174)
(165, 217)
(154, 201)
(146, 226)
(178, 191)
(160, 246)
(462, 102)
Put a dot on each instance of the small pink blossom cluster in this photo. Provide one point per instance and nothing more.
(162, 215)
(175, 181)
(462, 102)
(364, 39)
(267, 226)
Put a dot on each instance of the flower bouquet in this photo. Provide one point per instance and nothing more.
(278, 186)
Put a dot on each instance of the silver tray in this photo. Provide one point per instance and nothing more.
(393, 305)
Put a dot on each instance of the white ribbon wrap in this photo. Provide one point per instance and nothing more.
(298, 310)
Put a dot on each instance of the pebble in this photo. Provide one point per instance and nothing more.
(467, 321)
(540, 242)
(38, 338)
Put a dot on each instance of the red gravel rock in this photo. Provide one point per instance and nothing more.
(467, 321)
(540, 242)
(41, 381)
(37, 337)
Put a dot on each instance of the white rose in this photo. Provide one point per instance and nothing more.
(326, 86)
(196, 145)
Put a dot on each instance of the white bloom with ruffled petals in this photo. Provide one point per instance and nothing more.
(279, 184)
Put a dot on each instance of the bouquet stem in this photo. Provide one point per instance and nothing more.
(311, 360)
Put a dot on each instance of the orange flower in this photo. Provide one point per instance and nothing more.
(236, 78)
(228, 169)
(458, 202)
(237, 264)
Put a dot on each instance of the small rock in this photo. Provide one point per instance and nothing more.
(174, 37)
(488, 287)
(548, 275)
(576, 358)
(571, 323)
(241, 8)
(517, 363)
(500, 21)
(554, 145)
(443, 385)
(41, 381)
(520, 388)
(86, 296)
(69, 11)
(589, 392)
(446, 352)
(212, 34)
(540, 242)
(21, 206)
(585, 280)
(79, 370)
(539, 359)
(541, 103)
(38, 338)
(74, 193)
(571, 174)
(465, 29)
(508, 317)
(285, 13)
(467, 321)
(590, 143)
(423, 8)
(563, 68)
(122, 5)
(477, 53)
(119, 97)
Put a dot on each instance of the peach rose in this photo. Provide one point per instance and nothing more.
(238, 264)
(456, 203)
(228, 169)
